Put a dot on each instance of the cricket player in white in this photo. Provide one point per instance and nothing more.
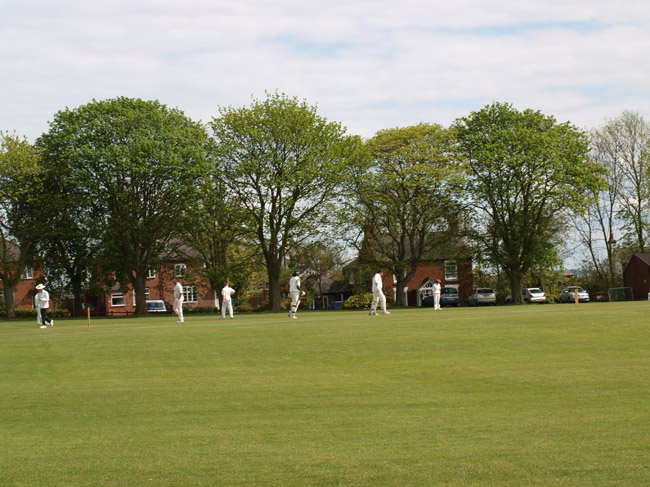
(178, 300)
(436, 294)
(295, 291)
(378, 295)
(226, 296)
(42, 305)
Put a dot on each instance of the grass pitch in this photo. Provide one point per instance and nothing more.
(504, 396)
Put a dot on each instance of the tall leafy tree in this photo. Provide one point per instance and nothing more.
(285, 164)
(138, 164)
(215, 231)
(527, 172)
(596, 226)
(625, 142)
(20, 211)
(407, 203)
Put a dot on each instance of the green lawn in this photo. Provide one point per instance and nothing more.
(503, 396)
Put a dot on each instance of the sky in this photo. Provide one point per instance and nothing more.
(368, 64)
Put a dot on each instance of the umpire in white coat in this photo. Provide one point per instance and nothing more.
(42, 305)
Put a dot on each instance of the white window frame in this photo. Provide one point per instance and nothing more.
(28, 273)
(151, 274)
(147, 295)
(115, 296)
(451, 270)
(180, 270)
(190, 292)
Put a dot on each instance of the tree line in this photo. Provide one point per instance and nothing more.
(116, 185)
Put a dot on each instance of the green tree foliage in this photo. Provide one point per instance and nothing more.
(20, 208)
(527, 172)
(624, 146)
(285, 164)
(138, 164)
(407, 202)
(215, 231)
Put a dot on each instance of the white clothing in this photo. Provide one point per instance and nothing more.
(226, 294)
(294, 292)
(436, 295)
(42, 299)
(377, 282)
(377, 294)
(294, 284)
(178, 301)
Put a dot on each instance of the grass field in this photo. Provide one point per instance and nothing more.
(503, 396)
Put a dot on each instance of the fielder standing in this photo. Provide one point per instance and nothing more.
(295, 291)
(378, 295)
(178, 300)
(436, 294)
(226, 296)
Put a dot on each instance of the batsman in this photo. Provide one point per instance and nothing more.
(295, 291)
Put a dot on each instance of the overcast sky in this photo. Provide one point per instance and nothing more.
(369, 64)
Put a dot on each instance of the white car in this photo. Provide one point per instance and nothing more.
(568, 295)
(482, 295)
(530, 295)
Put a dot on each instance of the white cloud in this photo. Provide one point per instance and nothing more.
(368, 64)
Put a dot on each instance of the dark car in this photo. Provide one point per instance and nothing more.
(336, 305)
(449, 297)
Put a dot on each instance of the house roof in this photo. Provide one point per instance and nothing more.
(339, 287)
(644, 257)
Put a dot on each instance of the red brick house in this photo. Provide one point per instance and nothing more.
(456, 273)
(29, 277)
(197, 291)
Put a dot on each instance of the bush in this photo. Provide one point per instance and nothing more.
(244, 307)
(358, 301)
(199, 310)
(52, 312)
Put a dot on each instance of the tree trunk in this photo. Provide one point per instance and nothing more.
(515, 286)
(10, 303)
(273, 269)
(138, 288)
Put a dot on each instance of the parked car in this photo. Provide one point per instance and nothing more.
(568, 295)
(530, 295)
(449, 297)
(336, 305)
(482, 295)
(156, 306)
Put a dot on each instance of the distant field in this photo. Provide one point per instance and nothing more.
(501, 396)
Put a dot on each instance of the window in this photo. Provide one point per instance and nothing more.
(180, 270)
(190, 294)
(451, 270)
(28, 273)
(151, 274)
(117, 299)
(147, 294)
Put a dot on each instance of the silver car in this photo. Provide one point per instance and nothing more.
(530, 295)
(482, 295)
(568, 295)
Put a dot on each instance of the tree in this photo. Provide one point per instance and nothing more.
(625, 144)
(20, 205)
(138, 163)
(595, 227)
(285, 165)
(407, 203)
(527, 172)
(214, 230)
